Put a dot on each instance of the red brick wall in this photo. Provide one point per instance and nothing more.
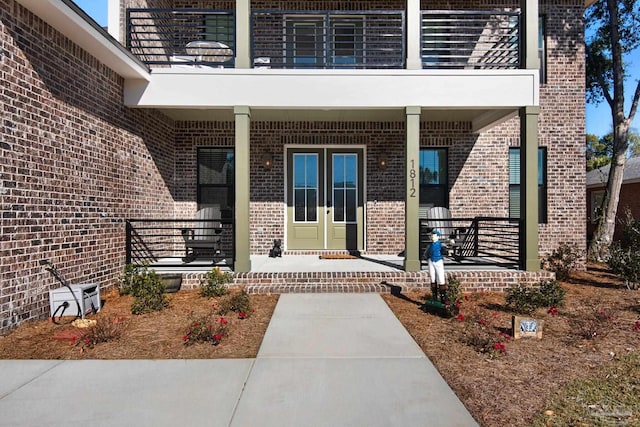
(74, 163)
(629, 202)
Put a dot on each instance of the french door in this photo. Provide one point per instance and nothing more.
(325, 208)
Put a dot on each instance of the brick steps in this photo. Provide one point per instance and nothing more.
(379, 282)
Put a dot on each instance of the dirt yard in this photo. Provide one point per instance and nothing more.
(595, 326)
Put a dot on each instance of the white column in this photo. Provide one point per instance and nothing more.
(412, 196)
(243, 34)
(414, 59)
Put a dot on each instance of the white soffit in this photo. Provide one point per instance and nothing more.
(63, 18)
(331, 89)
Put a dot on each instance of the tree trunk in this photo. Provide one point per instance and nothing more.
(607, 222)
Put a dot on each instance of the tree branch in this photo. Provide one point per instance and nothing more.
(634, 104)
(605, 90)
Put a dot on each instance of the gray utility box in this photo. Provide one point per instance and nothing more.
(87, 294)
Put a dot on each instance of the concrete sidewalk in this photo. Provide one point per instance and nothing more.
(326, 360)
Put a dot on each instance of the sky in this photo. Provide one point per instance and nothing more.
(598, 116)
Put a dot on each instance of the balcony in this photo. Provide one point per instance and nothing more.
(344, 40)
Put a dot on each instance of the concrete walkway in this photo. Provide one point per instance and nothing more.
(326, 360)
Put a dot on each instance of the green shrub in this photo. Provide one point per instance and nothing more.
(562, 261)
(626, 263)
(624, 256)
(236, 302)
(551, 294)
(527, 299)
(145, 286)
(205, 329)
(127, 281)
(523, 299)
(453, 289)
(214, 283)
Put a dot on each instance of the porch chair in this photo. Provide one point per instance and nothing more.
(205, 237)
(457, 238)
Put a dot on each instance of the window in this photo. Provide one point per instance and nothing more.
(434, 180)
(305, 43)
(316, 42)
(216, 179)
(305, 187)
(347, 42)
(220, 28)
(542, 49)
(514, 184)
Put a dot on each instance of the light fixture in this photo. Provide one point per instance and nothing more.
(383, 160)
(267, 160)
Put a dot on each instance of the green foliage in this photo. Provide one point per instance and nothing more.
(599, 46)
(238, 302)
(453, 289)
(527, 299)
(214, 283)
(146, 287)
(600, 150)
(522, 299)
(624, 256)
(483, 337)
(205, 329)
(551, 294)
(562, 260)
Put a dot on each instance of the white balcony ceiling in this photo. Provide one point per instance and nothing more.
(355, 95)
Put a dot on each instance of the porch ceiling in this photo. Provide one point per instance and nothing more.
(335, 115)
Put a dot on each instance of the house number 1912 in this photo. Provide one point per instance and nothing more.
(412, 179)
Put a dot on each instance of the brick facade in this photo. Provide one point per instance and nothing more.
(74, 163)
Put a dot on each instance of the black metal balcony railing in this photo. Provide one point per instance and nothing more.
(329, 39)
(326, 39)
(477, 241)
(470, 39)
(182, 36)
(161, 243)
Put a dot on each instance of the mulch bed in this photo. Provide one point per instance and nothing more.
(511, 389)
(157, 335)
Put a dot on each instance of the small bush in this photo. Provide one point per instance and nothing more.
(527, 299)
(146, 287)
(453, 289)
(206, 329)
(237, 302)
(562, 261)
(551, 294)
(214, 283)
(624, 256)
(483, 337)
(127, 282)
(597, 325)
(106, 329)
(523, 299)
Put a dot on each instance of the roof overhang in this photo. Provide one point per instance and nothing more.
(588, 3)
(75, 24)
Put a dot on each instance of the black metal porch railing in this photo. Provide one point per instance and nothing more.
(470, 40)
(160, 242)
(325, 39)
(477, 241)
(329, 39)
(189, 37)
